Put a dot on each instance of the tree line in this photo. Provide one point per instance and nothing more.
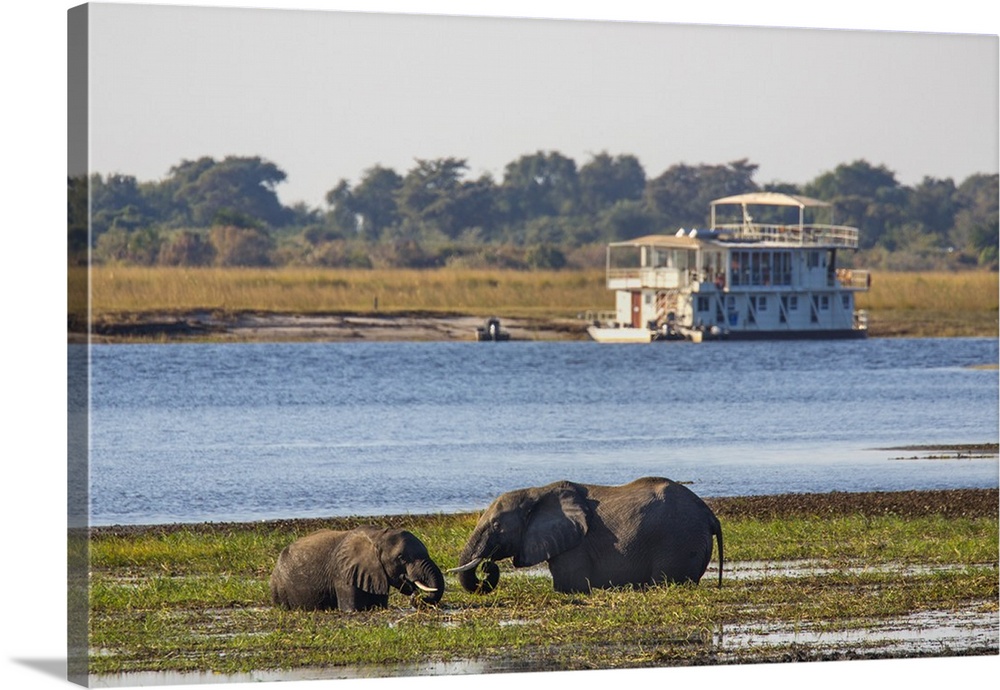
(545, 212)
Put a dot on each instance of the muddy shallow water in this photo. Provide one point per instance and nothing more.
(933, 633)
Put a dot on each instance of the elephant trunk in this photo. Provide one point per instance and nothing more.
(467, 573)
(425, 580)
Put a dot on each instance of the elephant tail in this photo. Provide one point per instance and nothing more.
(717, 529)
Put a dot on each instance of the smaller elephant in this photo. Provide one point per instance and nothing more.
(353, 570)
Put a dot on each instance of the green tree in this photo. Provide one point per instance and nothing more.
(682, 194)
(932, 205)
(624, 220)
(241, 185)
(865, 196)
(475, 208)
(77, 217)
(607, 180)
(117, 201)
(976, 221)
(858, 179)
(343, 217)
(374, 200)
(434, 197)
(540, 184)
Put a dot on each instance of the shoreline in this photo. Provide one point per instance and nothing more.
(968, 503)
(259, 327)
(256, 326)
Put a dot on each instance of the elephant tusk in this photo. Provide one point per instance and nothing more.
(468, 566)
(420, 585)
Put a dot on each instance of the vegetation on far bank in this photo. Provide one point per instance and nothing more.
(546, 212)
(195, 597)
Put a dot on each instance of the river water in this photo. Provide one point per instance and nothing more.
(234, 432)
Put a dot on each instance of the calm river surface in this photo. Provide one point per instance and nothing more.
(221, 432)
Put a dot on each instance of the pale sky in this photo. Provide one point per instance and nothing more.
(327, 94)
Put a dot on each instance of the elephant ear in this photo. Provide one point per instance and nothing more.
(356, 561)
(557, 523)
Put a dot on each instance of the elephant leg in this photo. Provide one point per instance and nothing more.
(571, 573)
(354, 599)
(681, 563)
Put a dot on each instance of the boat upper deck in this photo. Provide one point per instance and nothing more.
(703, 256)
(799, 233)
(747, 230)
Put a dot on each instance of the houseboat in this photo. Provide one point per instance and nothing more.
(762, 270)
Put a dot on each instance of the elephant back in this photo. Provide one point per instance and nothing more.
(301, 576)
(666, 517)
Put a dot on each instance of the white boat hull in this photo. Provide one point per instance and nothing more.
(620, 335)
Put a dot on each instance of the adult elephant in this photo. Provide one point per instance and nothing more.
(650, 531)
(353, 570)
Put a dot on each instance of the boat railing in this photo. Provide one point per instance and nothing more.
(648, 277)
(804, 235)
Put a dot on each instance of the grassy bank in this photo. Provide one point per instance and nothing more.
(307, 291)
(913, 304)
(932, 304)
(196, 597)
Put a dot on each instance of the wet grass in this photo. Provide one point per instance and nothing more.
(196, 597)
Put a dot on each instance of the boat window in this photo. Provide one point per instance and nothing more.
(764, 267)
(762, 303)
(793, 302)
(782, 268)
(812, 259)
(712, 271)
(824, 302)
(846, 299)
(703, 304)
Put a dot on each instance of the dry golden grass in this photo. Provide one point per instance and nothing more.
(915, 304)
(932, 303)
(932, 291)
(118, 290)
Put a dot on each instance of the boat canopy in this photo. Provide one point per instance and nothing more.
(685, 241)
(769, 199)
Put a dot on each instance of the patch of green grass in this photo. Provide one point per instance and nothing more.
(880, 539)
(198, 599)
